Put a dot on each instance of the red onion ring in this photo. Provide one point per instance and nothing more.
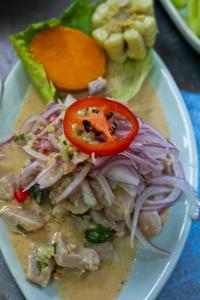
(148, 192)
(43, 173)
(142, 239)
(181, 184)
(29, 170)
(74, 184)
(54, 108)
(39, 156)
(109, 196)
(32, 120)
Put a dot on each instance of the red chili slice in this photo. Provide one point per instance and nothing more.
(98, 121)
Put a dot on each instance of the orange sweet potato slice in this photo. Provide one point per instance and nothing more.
(70, 57)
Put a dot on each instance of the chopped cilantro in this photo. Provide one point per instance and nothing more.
(38, 266)
(36, 193)
(21, 229)
(99, 234)
(19, 138)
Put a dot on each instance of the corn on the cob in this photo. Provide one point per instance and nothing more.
(136, 48)
(144, 7)
(100, 35)
(100, 15)
(114, 46)
(119, 23)
(150, 31)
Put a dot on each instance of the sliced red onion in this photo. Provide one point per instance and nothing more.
(109, 196)
(54, 141)
(29, 170)
(181, 184)
(156, 169)
(99, 161)
(123, 125)
(49, 179)
(157, 133)
(121, 133)
(32, 120)
(6, 140)
(41, 175)
(155, 150)
(148, 192)
(88, 195)
(74, 184)
(167, 201)
(70, 99)
(52, 109)
(140, 188)
(56, 121)
(143, 240)
(39, 156)
(123, 174)
(114, 163)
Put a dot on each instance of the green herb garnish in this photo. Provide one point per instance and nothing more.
(38, 266)
(36, 193)
(99, 234)
(21, 229)
(19, 138)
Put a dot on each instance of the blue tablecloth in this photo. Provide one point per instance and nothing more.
(184, 284)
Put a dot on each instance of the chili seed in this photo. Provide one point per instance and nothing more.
(87, 125)
(95, 111)
(109, 115)
(97, 133)
(113, 128)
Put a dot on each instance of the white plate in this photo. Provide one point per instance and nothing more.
(150, 272)
(178, 17)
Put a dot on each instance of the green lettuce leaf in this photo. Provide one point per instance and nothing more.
(21, 41)
(77, 15)
(125, 80)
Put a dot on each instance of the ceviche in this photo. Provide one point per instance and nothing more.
(84, 179)
(94, 161)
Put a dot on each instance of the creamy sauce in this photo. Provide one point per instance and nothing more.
(106, 282)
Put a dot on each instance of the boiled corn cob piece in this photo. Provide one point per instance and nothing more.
(150, 31)
(100, 35)
(114, 46)
(147, 27)
(100, 15)
(142, 7)
(135, 43)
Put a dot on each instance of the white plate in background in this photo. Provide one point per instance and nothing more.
(178, 17)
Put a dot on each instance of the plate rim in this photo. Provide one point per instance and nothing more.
(182, 26)
(188, 222)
